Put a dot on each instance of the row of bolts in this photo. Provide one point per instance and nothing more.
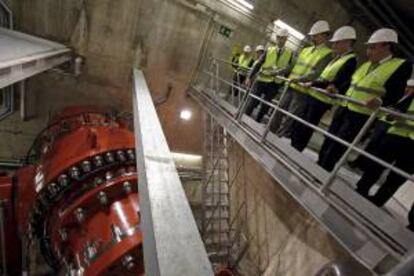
(79, 213)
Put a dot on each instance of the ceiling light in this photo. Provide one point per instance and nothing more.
(185, 114)
(242, 3)
(186, 156)
(279, 23)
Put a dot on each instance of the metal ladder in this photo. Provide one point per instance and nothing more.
(216, 230)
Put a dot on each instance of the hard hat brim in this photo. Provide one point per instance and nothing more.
(380, 41)
(322, 32)
(342, 39)
(376, 42)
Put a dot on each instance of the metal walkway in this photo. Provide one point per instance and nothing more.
(374, 237)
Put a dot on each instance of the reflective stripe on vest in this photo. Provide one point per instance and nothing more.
(306, 62)
(368, 85)
(404, 128)
(329, 74)
(274, 62)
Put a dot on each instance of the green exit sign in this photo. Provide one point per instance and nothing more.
(224, 31)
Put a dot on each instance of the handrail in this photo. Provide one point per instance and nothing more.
(342, 197)
(332, 95)
(350, 146)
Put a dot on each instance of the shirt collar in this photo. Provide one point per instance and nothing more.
(320, 46)
(347, 53)
(385, 59)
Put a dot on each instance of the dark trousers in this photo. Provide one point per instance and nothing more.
(346, 124)
(295, 102)
(392, 149)
(380, 129)
(268, 91)
(302, 134)
(238, 80)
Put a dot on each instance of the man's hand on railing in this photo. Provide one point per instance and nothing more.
(392, 117)
(373, 103)
(248, 83)
(332, 89)
(306, 84)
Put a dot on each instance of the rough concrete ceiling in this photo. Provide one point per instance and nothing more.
(397, 14)
(405, 8)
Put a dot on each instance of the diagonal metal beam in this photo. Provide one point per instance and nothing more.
(23, 56)
(172, 243)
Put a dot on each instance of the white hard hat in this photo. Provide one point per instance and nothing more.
(260, 48)
(344, 33)
(247, 49)
(319, 27)
(383, 35)
(282, 32)
(273, 37)
(410, 82)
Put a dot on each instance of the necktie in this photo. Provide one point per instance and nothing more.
(279, 51)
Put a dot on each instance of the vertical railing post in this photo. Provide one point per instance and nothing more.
(217, 79)
(275, 110)
(243, 105)
(328, 183)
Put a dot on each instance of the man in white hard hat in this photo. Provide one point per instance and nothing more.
(335, 78)
(382, 79)
(308, 66)
(396, 146)
(275, 61)
(244, 63)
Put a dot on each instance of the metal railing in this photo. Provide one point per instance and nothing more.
(351, 147)
(328, 186)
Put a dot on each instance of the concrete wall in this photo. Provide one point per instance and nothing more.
(163, 37)
(113, 36)
(283, 238)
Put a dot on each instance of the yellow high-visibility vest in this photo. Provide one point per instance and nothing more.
(367, 84)
(329, 74)
(403, 127)
(274, 62)
(306, 62)
(244, 62)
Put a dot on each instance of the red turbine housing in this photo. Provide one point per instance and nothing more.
(80, 198)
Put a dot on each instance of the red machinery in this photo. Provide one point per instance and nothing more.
(79, 197)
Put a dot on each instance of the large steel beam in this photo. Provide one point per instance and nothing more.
(172, 243)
